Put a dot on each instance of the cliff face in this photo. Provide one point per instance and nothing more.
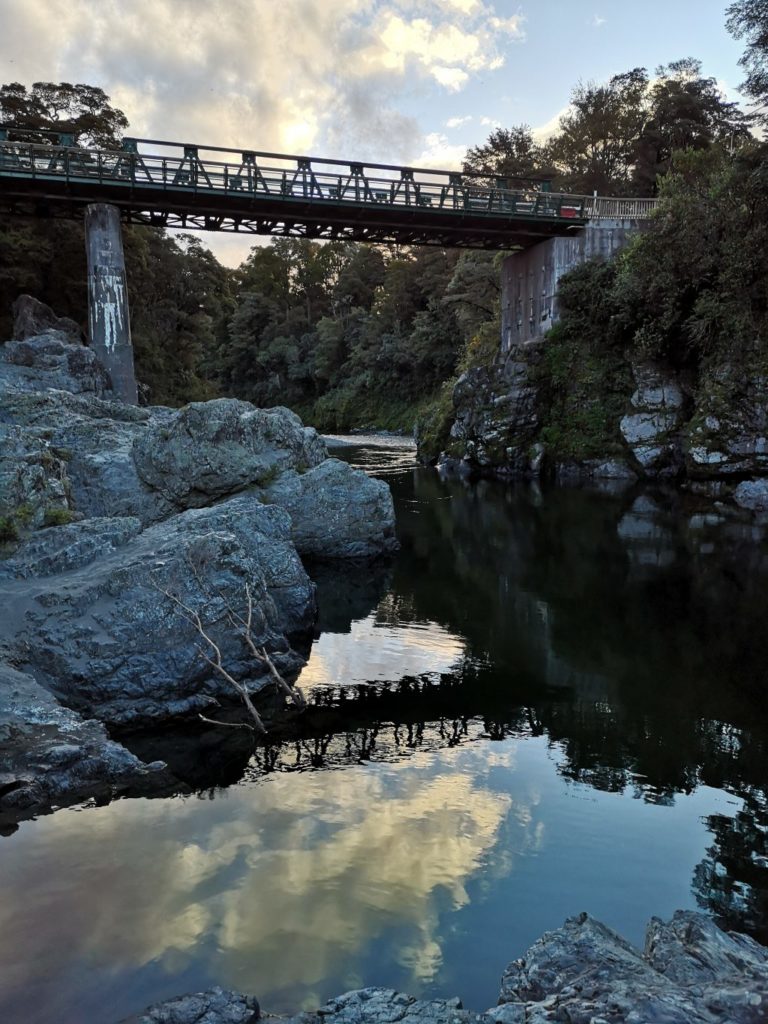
(530, 414)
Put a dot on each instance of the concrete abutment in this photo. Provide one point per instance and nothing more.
(529, 279)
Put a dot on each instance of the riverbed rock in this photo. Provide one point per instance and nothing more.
(336, 511)
(110, 642)
(65, 365)
(211, 449)
(216, 1006)
(690, 972)
(49, 755)
(61, 548)
(386, 1006)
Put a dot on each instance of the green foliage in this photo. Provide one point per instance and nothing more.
(434, 422)
(748, 19)
(55, 516)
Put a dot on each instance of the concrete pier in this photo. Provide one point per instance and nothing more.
(529, 279)
(109, 325)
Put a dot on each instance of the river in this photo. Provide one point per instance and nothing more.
(551, 701)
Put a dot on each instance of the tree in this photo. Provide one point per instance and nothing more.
(748, 19)
(508, 153)
(83, 111)
(685, 111)
(594, 149)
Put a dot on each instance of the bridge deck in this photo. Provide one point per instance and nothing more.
(171, 184)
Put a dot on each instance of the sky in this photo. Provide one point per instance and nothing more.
(393, 81)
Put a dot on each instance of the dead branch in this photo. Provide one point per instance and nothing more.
(193, 616)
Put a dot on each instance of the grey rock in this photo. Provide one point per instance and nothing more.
(753, 495)
(644, 427)
(51, 360)
(32, 317)
(33, 478)
(652, 430)
(691, 972)
(728, 434)
(109, 643)
(95, 437)
(211, 449)
(386, 1006)
(61, 548)
(497, 416)
(336, 511)
(49, 755)
(216, 1006)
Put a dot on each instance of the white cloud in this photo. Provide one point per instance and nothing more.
(490, 122)
(457, 122)
(597, 21)
(441, 154)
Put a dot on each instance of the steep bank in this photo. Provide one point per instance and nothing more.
(149, 556)
(690, 972)
(658, 366)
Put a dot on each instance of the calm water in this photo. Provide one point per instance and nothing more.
(551, 701)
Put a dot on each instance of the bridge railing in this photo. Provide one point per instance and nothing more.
(288, 178)
(174, 167)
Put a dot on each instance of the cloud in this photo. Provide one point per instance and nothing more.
(441, 154)
(457, 122)
(597, 21)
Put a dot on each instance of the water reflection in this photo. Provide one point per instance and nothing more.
(551, 701)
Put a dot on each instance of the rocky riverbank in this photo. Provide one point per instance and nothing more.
(120, 526)
(710, 436)
(689, 972)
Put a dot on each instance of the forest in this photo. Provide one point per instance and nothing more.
(355, 336)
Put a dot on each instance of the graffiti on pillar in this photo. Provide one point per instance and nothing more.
(109, 325)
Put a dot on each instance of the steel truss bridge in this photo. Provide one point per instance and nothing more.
(210, 188)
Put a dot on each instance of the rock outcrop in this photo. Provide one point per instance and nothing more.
(119, 524)
(109, 641)
(690, 972)
(497, 415)
(50, 755)
(652, 428)
(211, 449)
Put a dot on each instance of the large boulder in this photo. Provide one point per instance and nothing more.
(95, 437)
(50, 755)
(336, 511)
(211, 449)
(691, 972)
(51, 360)
(111, 642)
(32, 318)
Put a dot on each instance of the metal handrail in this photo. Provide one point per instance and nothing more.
(307, 179)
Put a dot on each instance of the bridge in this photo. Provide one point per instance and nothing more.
(211, 188)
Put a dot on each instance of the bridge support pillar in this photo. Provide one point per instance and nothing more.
(109, 326)
(529, 279)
